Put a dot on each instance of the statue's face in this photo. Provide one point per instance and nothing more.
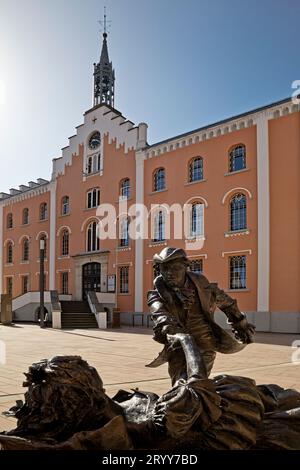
(173, 273)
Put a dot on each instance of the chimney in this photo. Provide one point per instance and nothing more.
(142, 136)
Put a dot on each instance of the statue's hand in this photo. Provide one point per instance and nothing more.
(243, 331)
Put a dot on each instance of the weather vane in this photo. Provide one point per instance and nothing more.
(105, 24)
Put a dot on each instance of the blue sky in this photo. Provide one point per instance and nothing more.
(179, 65)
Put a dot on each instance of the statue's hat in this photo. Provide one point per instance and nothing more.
(169, 254)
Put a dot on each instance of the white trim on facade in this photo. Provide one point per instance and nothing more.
(52, 235)
(263, 213)
(139, 242)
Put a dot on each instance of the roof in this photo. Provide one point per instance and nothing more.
(223, 121)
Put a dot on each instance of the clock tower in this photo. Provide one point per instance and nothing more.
(104, 76)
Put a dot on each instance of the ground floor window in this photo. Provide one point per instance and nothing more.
(237, 272)
(196, 266)
(9, 285)
(124, 279)
(65, 283)
(25, 284)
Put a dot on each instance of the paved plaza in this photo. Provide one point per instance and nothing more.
(120, 356)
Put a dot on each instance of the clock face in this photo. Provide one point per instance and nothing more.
(95, 140)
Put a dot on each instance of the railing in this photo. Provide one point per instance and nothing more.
(97, 309)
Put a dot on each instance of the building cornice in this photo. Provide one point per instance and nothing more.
(223, 127)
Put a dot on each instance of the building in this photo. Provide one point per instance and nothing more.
(240, 176)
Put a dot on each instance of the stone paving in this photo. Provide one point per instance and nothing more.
(120, 356)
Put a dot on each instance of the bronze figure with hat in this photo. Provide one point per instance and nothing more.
(184, 302)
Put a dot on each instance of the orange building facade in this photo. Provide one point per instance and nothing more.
(239, 178)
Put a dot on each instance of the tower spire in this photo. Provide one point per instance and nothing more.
(104, 74)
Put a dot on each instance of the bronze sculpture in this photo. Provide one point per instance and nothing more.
(184, 301)
(66, 407)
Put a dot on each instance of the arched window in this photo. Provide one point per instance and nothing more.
(159, 179)
(237, 158)
(159, 227)
(237, 274)
(44, 237)
(125, 188)
(9, 252)
(25, 249)
(92, 237)
(124, 231)
(65, 205)
(238, 212)
(196, 169)
(197, 220)
(43, 211)
(93, 163)
(25, 216)
(9, 220)
(93, 198)
(65, 243)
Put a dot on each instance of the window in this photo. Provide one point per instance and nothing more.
(196, 169)
(9, 285)
(65, 243)
(93, 163)
(25, 216)
(124, 231)
(9, 253)
(237, 158)
(65, 205)
(159, 227)
(196, 266)
(43, 237)
(25, 250)
(93, 237)
(159, 179)
(125, 188)
(237, 274)
(43, 211)
(197, 220)
(124, 279)
(93, 198)
(9, 220)
(65, 283)
(25, 284)
(238, 212)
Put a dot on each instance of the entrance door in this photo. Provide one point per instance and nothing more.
(91, 275)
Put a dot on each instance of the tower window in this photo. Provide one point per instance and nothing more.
(65, 205)
(93, 198)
